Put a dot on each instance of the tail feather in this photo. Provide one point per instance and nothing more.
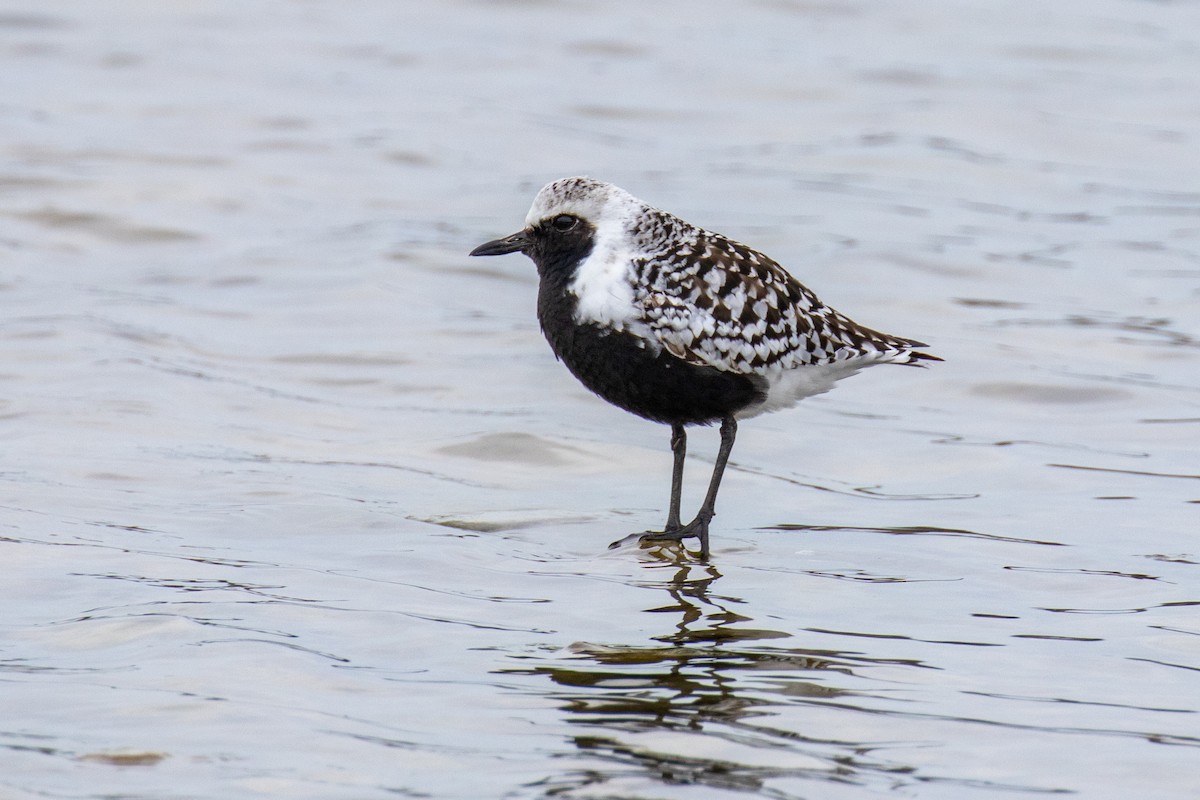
(915, 357)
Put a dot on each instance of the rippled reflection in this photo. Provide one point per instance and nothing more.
(699, 705)
(717, 702)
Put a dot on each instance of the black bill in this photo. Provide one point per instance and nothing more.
(518, 242)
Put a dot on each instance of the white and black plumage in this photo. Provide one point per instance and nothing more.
(680, 325)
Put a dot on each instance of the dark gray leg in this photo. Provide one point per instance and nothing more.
(679, 448)
(708, 510)
(698, 527)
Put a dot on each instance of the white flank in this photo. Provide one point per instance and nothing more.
(786, 387)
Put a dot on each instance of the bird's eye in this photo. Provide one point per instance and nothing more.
(564, 222)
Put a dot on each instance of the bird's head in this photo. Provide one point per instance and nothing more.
(564, 223)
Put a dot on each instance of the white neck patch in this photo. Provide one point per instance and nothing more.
(603, 283)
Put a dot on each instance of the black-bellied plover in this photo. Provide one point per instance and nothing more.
(680, 325)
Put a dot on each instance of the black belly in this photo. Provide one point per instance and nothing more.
(657, 386)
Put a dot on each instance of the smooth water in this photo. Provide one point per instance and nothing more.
(297, 503)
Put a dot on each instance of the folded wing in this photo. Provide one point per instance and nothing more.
(725, 305)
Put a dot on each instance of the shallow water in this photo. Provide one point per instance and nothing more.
(297, 503)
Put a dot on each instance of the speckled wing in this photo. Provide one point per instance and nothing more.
(716, 302)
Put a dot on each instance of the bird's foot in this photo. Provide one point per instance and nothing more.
(697, 528)
(670, 534)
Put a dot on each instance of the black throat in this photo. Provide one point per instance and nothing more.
(557, 258)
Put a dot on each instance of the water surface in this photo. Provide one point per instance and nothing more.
(295, 502)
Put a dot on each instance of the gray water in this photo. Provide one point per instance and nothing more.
(296, 503)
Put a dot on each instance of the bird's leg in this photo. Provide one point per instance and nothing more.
(674, 529)
(698, 527)
(679, 448)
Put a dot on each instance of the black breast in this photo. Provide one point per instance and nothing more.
(627, 372)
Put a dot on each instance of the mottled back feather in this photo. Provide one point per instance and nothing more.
(714, 301)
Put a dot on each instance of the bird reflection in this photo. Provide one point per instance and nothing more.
(684, 709)
(682, 683)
